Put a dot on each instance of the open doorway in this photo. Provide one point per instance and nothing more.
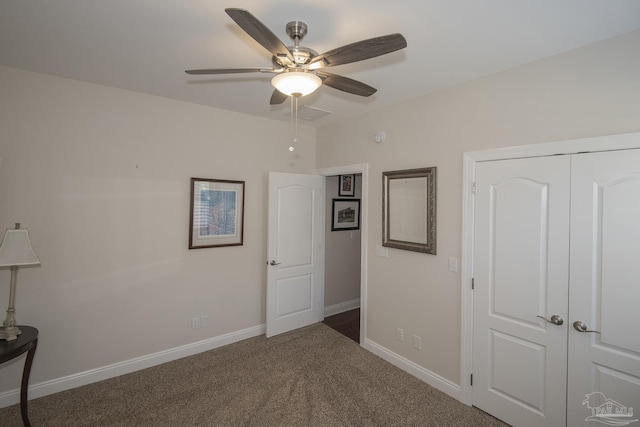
(361, 169)
(343, 254)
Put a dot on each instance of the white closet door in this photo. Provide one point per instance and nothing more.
(604, 367)
(521, 261)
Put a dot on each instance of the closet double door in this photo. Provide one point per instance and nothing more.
(556, 300)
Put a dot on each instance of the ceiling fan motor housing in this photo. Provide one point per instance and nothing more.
(301, 55)
(296, 30)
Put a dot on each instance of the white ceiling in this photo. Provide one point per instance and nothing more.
(145, 45)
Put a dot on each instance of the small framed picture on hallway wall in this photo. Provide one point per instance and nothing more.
(345, 214)
(347, 185)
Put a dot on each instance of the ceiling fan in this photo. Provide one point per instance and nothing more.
(300, 70)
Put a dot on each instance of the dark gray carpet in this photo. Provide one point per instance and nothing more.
(310, 377)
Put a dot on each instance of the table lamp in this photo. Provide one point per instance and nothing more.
(15, 252)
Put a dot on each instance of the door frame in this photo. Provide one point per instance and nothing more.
(363, 169)
(470, 158)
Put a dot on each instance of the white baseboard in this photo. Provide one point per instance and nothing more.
(418, 371)
(45, 388)
(341, 307)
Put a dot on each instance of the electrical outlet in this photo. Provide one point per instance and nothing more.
(400, 334)
(195, 322)
(204, 321)
(417, 342)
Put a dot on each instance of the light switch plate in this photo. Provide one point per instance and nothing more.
(453, 265)
(382, 251)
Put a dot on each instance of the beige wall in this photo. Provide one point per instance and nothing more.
(587, 92)
(342, 253)
(100, 177)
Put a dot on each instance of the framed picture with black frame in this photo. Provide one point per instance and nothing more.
(217, 213)
(345, 214)
(347, 185)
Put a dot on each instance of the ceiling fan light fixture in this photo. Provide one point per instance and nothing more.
(298, 83)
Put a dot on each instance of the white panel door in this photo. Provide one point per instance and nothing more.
(295, 267)
(604, 367)
(521, 261)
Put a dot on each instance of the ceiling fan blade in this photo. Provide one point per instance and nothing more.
(359, 51)
(346, 84)
(277, 97)
(231, 70)
(260, 33)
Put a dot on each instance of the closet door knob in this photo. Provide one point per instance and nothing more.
(555, 319)
(580, 326)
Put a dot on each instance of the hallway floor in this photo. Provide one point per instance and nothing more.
(347, 323)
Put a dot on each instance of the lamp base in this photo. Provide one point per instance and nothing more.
(9, 333)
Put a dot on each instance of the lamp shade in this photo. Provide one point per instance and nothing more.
(296, 83)
(16, 249)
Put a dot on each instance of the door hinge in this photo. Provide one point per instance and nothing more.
(473, 283)
(471, 379)
(473, 187)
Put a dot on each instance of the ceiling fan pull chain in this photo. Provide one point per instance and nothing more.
(293, 129)
(295, 103)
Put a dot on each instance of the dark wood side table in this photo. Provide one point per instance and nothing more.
(27, 342)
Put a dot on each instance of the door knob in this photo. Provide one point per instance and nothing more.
(273, 262)
(580, 326)
(555, 319)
